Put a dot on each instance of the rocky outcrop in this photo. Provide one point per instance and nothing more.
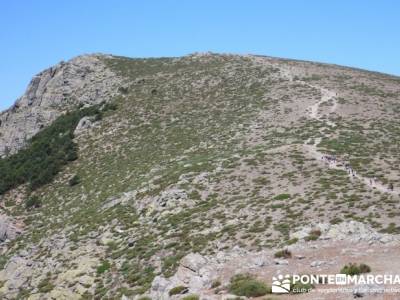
(195, 272)
(8, 230)
(84, 124)
(83, 80)
(352, 230)
(27, 268)
(198, 273)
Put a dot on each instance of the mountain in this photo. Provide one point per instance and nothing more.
(164, 177)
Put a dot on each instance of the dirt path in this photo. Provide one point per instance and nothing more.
(314, 113)
(327, 95)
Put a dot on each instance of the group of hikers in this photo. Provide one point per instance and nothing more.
(331, 159)
(350, 170)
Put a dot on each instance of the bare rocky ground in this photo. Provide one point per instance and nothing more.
(337, 246)
(208, 166)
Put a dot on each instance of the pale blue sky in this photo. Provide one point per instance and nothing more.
(37, 34)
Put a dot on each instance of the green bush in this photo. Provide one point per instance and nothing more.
(45, 153)
(178, 290)
(105, 266)
(354, 269)
(33, 202)
(336, 220)
(246, 285)
(110, 106)
(191, 297)
(313, 235)
(285, 253)
(292, 241)
(215, 284)
(45, 285)
(3, 261)
(74, 180)
(282, 197)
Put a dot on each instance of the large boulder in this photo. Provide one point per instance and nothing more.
(84, 124)
(194, 272)
(8, 230)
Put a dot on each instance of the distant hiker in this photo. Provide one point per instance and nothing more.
(391, 186)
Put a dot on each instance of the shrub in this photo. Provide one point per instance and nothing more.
(33, 202)
(246, 285)
(45, 285)
(3, 261)
(215, 284)
(105, 265)
(354, 269)
(313, 235)
(282, 197)
(285, 253)
(336, 220)
(74, 180)
(292, 241)
(191, 297)
(123, 90)
(391, 229)
(110, 106)
(178, 290)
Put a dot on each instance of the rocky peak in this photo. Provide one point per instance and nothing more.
(82, 80)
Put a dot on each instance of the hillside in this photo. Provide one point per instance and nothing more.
(194, 164)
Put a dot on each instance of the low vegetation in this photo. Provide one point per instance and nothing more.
(282, 197)
(191, 297)
(285, 253)
(33, 202)
(248, 286)
(75, 180)
(178, 290)
(104, 267)
(45, 154)
(354, 269)
(313, 235)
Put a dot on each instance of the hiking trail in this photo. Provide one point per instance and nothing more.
(313, 111)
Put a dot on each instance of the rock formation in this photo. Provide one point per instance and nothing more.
(84, 80)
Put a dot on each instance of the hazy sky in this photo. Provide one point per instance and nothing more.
(37, 34)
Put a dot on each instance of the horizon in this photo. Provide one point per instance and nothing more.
(361, 34)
